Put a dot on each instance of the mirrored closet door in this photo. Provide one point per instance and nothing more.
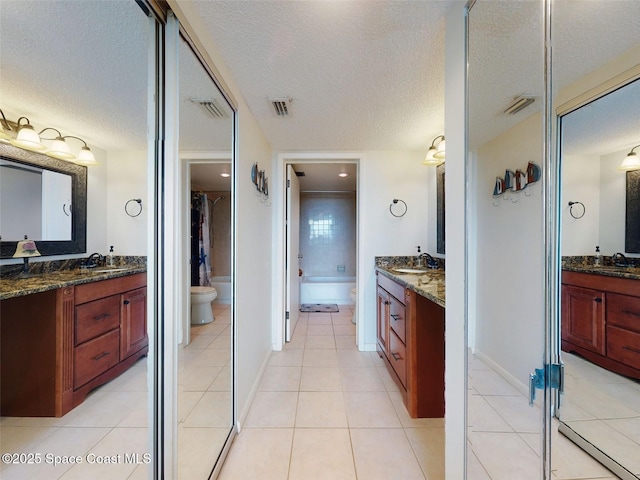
(597, 103)
(205, 351)
(506, 321)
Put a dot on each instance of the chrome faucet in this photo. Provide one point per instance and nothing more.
(620, 260)
(93, 260)
(430, 261)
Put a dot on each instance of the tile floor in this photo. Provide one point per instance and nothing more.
(324, 410)
(504, 435)
(603, 408)
(111, 421)
(204, 395)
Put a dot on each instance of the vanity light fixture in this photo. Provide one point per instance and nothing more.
(22, 134)
(59, 148)
(435, 155)
(85, 157)
(5, 127)
(631, 161)
(27, 136)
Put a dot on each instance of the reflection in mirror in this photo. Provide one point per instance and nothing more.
(84, 68)
(505, 241)
(43, 198)
(440, 242)
(34, 200)
(600, 408)
(205, 366)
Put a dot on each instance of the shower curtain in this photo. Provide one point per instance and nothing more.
(204, 244)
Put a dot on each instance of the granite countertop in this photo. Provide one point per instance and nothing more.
(12, 286)
(430, 284)
(632, 272)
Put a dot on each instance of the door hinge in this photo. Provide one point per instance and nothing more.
(552, 376)
(286, 316)
(288, 183)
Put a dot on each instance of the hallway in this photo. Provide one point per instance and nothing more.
(326, 410)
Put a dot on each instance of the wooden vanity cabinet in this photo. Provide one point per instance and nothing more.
(410, 339)
(601, 320)
(59, 345)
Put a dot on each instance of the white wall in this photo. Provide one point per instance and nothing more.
(126, 179)
(580, 183)
(253, 231)
(510, 256)
(383, 177)
(456, 238)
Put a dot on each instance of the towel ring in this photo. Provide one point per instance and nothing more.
(395, 201)
(584, 210)
(138, 201)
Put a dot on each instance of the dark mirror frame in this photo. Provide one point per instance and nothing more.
(78, 173)
(440, 208)
(632, 224)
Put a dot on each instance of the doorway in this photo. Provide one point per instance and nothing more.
(319, 266)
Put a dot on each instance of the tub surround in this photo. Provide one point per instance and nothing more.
(44, 276)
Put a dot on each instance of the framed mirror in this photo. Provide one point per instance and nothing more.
(43, 198)
(440, 242)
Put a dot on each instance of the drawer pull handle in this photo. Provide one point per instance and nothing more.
(633, 314)
(631, 349)
(126, 302)
(102, 316)
(103, 354)
(395, 317)
(597, 300)
(396, 356)
(387, 302)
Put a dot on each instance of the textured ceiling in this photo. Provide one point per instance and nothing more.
(505, 60)
(362, 75)
(64, 66)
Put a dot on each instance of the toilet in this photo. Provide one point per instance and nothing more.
(352, 294)
(201, 298)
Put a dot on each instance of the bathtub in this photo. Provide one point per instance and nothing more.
(327, 290)
(223, 287)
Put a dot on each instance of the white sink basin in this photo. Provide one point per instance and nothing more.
(410, 270)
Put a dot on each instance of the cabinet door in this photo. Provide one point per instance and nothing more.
(583, 318)
(133, 322)
(383, 320)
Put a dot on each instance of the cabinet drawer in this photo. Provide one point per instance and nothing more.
(95, 318)
(397, 319)
(392, 287)
(397, 357)
(623, 311)
(94, 357)
(623, 346)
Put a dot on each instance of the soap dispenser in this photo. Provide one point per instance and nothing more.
(598, 258)
(110, 257)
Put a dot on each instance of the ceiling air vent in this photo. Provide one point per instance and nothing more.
(518, 103)
(210, 106)
(281, 106)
